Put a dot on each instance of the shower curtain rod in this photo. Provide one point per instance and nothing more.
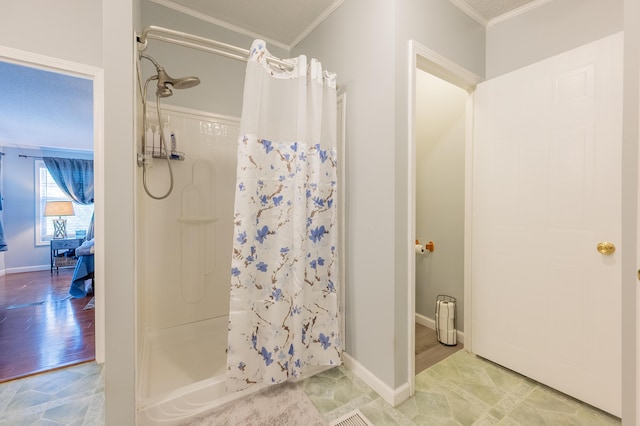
(200, 43)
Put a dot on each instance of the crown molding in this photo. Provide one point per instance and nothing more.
(316, 22)
(471, 12)
(516, 12)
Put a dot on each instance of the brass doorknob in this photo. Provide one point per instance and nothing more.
(606, 248)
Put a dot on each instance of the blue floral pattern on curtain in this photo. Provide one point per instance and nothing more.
(284, 300)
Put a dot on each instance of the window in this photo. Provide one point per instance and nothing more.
(48, 190)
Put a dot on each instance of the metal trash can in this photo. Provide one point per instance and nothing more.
(446, 320)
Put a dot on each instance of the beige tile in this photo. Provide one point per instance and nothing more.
(27, 402)
(504, 379)
(461, 390)
(379, 412)
(486, 420)
(433, 404)
(482, 395)
(547, 399)
(464, 411)
(526, 415)
(62, 397)
(95, 411)
(505, 405)
(24, 420)
(592, 416)
(430, 380)
(70, 413)
(435, 421)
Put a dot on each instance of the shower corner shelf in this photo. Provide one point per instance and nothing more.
(197, 219)
(143, 160)
(177, 156)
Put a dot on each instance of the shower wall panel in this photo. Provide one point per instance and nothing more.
(185, 247)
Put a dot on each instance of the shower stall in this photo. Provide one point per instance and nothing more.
(184, 226)
(183, 268)
(184, 233)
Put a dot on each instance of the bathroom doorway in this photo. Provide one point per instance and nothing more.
(96, 75)
(439, 195)
(440, 94)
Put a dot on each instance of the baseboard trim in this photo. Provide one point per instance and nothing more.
(430, 323)
(392, 396)
(27, 269)
(425, 321)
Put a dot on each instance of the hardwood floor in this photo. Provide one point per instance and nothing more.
(41, 327)
(428, 350)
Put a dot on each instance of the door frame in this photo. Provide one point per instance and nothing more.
(96, 75)
(342, 211)
(420, 57)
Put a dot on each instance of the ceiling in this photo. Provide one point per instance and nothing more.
(491, 9)
(286, 22)
(44, 109)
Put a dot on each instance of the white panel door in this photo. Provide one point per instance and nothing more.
(546, 191)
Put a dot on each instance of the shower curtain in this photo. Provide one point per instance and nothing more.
(284, 301)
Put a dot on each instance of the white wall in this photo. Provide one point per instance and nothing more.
(361, 60)
(444, 29)
(371, 64)
(552, 28)
(66, 29)
(440, 178)
(630, 218)
(118, 232)
(96, 33)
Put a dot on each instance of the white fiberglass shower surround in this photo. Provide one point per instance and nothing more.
(184, 245)
(183, 254)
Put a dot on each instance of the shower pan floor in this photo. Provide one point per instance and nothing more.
(181, 356)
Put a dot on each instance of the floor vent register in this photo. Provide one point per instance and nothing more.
(354, 418)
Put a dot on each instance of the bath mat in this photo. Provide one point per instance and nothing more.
(285, 404)
(91, 304)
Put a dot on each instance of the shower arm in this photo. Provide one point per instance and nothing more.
(153, 61)
(201, 43)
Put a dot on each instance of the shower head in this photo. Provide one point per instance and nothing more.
(177, 83)
(166, 84)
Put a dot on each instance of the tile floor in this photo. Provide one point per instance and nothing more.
(70, 396)
(461, 390)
